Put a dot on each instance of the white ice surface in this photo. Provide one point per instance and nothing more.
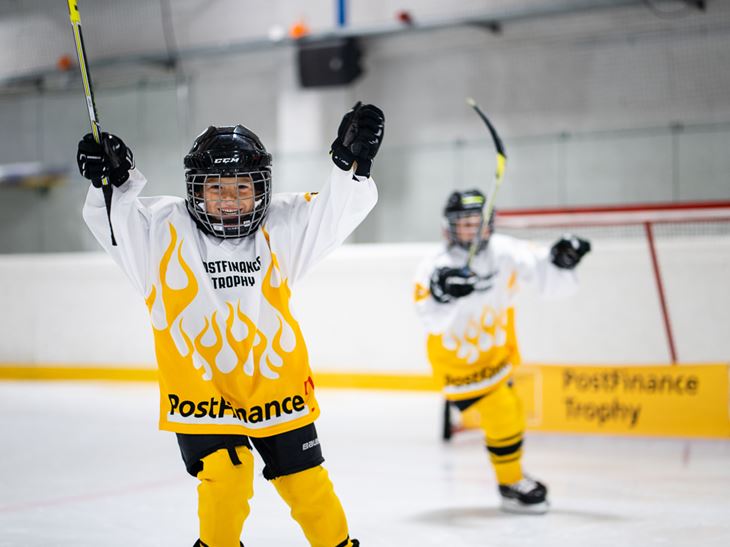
(82, 464)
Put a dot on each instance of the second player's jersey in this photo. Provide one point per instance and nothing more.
(230, 352)
(472, 345)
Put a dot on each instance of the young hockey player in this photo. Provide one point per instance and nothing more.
(216, 271)
(471, 342)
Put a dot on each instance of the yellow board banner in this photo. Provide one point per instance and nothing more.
(667, 400)
(680, 400)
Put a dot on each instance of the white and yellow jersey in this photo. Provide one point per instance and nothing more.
(230, 351)
(472, 345)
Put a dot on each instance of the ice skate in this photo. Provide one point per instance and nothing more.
(526, 496)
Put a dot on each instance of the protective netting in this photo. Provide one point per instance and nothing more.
(677, 222)
(662, 269)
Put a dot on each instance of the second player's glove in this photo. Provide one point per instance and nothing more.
(568, 251)
(111, 158)
(450, 283)
(358, 138)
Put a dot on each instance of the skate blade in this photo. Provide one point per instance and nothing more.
(514, 506)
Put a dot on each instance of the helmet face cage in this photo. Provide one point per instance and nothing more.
(229, 205)
(462, 205)
(228, 181)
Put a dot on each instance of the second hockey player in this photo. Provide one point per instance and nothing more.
(469, 316)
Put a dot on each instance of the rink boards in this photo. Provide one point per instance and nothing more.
(76, 317)
(662, 400)
(678, 401)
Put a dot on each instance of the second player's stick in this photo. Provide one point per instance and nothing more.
(106, 187)
(499, 173)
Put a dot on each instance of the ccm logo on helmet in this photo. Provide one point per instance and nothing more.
(225, 160)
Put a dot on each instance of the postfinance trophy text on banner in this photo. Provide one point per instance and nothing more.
(688, 400)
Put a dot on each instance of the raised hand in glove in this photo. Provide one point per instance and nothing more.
(568, 251)
(450, 283)
(111, 158)
(358, 138)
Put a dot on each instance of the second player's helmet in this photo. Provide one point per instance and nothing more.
(462, 204)
(228, 180)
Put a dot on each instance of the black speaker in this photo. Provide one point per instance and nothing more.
(329, 62)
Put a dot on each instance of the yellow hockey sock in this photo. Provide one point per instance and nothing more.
(223, 495)
(503, 423)
(506, 456)
(315, 506)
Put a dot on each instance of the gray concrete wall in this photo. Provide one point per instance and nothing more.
(608, 108)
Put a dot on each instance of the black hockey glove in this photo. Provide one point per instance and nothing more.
(358, 138)
(111, 159)
(450, 283)
(568, 251)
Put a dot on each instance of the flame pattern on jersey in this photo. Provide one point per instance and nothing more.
(478, 358)
(176, 300)
(486, 339)
(257, 355)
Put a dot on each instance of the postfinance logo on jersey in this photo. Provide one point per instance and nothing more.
(219, 410)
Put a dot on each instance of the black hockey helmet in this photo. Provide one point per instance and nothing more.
(462, 204)
(228, 180)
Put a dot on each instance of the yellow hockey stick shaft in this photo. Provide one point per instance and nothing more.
(498, 177)
(75, 16)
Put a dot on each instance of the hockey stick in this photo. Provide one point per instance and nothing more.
(73, 11)
(447, 429)
(501, 161)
